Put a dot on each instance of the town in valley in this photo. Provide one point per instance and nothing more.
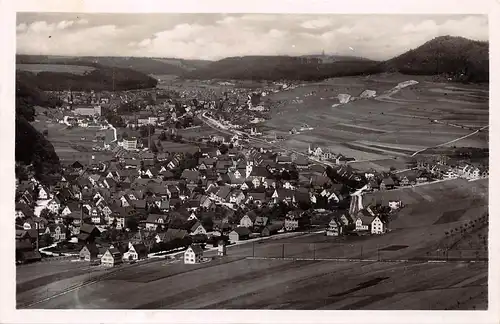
(320, 181)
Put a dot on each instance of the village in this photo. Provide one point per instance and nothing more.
(147, 197)
(143, 204)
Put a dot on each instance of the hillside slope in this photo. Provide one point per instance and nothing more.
(282, 67)
(144, 65)
(457, 57)
(31, 147)
(100, 79)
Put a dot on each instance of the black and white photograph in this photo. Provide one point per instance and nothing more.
(251, 161)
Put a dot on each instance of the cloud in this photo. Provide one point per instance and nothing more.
(316, 23)
(21, 27)
(40, 27)
(65, 24)
(216, 36)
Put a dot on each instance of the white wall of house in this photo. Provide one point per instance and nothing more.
(190, 257)
(378, 226)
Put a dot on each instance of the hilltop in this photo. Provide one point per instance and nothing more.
(458, 57)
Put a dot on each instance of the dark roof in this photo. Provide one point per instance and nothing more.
(140, 248)
(196, 248)
(93, 249)
(242, 231)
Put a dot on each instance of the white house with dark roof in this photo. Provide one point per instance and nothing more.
(193, 254)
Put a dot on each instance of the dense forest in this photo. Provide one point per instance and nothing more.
(282, 68)
(32, 148)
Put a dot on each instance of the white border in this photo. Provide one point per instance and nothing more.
(8, 314)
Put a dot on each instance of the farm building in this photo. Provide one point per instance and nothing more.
(334, 228)
(363, 222)
(295, 221)
(387, 184)
(378, 226)
(89, 252)
(197, 229)
(246, 221)
(88, 233)
(239, 234)
(136, 251)
(111, 257)
(193, 254)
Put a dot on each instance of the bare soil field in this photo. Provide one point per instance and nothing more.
(283, 284)
(399, 163)
(404, 119)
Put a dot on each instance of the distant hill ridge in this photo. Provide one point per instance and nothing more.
(456, 57)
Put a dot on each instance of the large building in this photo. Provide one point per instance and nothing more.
(87, 111)
(130, 144)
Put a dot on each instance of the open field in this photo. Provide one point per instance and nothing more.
(168, 146)
(285, 284)
(68, 142)
(385, 165)
(389, 126)
(310, 271)
(202, 131)
(60, 68)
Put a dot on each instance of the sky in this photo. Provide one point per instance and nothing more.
(215, 36)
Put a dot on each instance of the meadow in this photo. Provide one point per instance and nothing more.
(394, 124)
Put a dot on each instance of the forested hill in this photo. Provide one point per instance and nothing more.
(460, 58)
(31, 146)
(283, 68)
(456, 57)
(100, 78)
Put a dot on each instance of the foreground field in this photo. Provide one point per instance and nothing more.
(282, 284)
(387, 126)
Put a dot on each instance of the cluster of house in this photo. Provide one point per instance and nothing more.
(151, 189)
(364, 221)
(450, 169)
(317, 152)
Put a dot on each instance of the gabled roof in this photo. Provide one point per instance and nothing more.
(257, 195)
(195, 226)
(140, 248)
(153, 218)
(93, 249)
(366, 220)
(242, 231)
(223, 191)
(196, 248)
